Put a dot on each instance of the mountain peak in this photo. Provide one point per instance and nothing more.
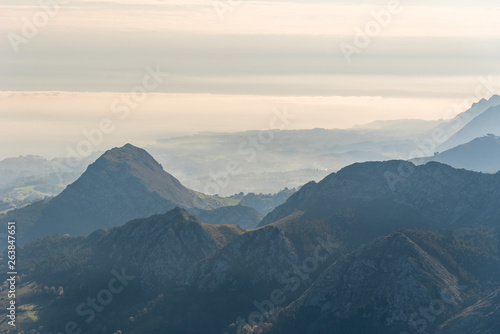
(181, 213)
(123, 184)
(485, 123)
(127, 154)
(127, 148)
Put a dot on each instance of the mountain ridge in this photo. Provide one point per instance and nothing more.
(431, 193)
(481, 155)
(481, 125)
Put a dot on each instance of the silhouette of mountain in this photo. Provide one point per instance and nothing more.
(481, 155)
(483, 124)
(384, 196)
(124, 183)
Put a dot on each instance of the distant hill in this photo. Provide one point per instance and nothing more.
(264, 203)
(483, 124)
(240, 215)
(481, 154)
(124, 183)
(401, 127)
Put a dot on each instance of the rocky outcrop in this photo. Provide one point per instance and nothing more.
(481, 318)
(381, 288)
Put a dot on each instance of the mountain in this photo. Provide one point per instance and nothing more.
(141, 257)
(385, 196)
(124, 183)
(264, 203)
(483, 124)
(162, 246)
(267, 252)
(481, 155)
(294, 277)
(192, 265)
(385, 247)
(379, 288)
(481, 318)
(452, 126)
(179, 268)
(241, 215)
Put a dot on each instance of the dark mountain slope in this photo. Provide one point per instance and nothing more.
(397, 194)
(483, 124)
(378, 289)
(221, 276)
(151, 252)
(241, 277)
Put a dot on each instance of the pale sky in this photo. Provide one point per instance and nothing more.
(230, 65)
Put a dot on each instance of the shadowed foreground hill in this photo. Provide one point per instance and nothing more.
(294, 277)
(375, 289)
